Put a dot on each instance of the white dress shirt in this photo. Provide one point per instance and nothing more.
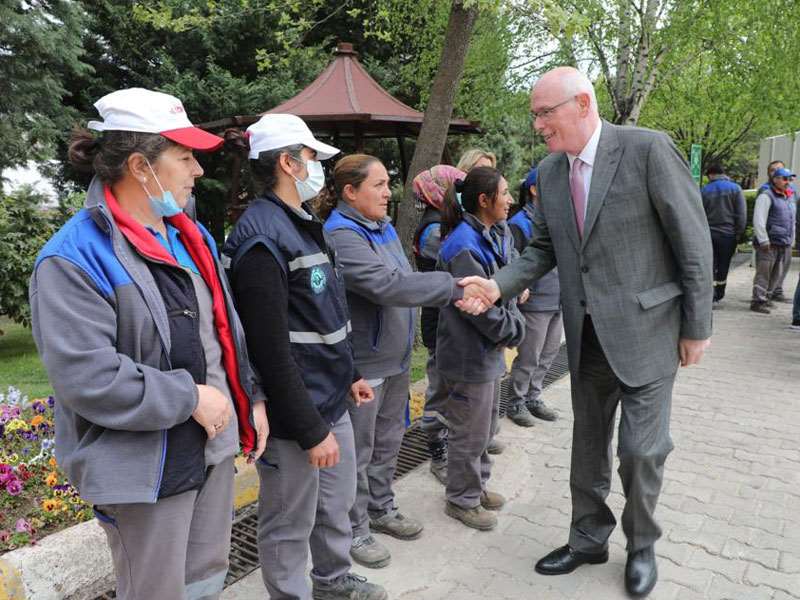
(587, 155)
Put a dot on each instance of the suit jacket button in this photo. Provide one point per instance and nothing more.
(584, 269)
(583, 302)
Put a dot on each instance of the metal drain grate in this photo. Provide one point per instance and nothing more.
(413, 452)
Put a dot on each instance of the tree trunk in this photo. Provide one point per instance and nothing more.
(438, 112)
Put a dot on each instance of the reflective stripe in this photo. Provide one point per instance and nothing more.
(312, 337)
(304, 262)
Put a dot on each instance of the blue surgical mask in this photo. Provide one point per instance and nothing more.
(313, 184)
(165, 206)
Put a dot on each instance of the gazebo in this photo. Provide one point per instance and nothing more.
(344, 101)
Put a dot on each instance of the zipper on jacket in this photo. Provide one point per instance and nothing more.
(183, 311)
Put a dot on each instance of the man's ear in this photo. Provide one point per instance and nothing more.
(584, 102)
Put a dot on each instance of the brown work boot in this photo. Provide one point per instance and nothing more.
(477, 518)
(492, 500)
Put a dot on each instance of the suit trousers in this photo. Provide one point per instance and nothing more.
(176, 547)
(472, 411)
(301, 506)
(642, 448)
(378, 427)
(535, 355)
(434, 419)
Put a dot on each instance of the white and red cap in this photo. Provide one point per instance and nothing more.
(277, 130)
(145, 111)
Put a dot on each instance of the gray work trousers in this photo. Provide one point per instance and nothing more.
(176, 548)
(787, 263)
(472, 410)
(535, 355)
(770, 267)
(643, 445)
(301, 506)
(434, 418)
(378, 427)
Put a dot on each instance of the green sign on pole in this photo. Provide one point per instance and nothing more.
(695, 160)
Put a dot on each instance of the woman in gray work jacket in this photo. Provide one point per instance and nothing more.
(136, 327)
(382, 293)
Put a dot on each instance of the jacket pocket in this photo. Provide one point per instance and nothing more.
(184, 463)
(659, 294)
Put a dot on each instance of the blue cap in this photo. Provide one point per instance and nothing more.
(782, 173)
(530, 178)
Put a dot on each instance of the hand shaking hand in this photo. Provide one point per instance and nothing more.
(479, 294)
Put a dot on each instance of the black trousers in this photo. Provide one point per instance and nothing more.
(642, 447)
(724, 247)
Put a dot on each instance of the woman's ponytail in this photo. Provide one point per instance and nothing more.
(452, 207)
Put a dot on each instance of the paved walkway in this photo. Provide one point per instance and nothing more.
(730, 508)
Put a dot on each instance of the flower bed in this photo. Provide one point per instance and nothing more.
(35, 498)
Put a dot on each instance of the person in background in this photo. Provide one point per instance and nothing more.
(726, 211)
(291, 297)
(430, 187)
(778, 294)
(475, 157)
(382, 293)
(136, 327)
(773, 232)
(470, 349)
(543, 327)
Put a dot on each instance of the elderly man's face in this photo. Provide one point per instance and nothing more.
(557, 116)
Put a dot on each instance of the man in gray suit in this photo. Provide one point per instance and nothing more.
(623, 220)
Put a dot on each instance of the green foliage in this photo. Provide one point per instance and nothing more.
(39, 46)
(25, 225)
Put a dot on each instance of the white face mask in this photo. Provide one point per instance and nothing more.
(315, 181)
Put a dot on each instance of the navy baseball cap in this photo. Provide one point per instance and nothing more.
(530, 178)
(782, 173)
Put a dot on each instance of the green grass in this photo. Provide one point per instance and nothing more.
(19, 362)
(418, 359)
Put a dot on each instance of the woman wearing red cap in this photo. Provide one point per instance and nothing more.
(135, 324)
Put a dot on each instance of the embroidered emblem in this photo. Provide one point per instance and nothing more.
(318, 280)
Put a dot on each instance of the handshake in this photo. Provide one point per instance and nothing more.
(479, 294)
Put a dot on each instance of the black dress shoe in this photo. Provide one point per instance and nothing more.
(641, 572)
(566, 560)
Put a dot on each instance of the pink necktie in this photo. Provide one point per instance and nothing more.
(578, 192)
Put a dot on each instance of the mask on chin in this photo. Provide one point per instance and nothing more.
(165, 205)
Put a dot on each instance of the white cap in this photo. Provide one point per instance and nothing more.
(279, 130)
(145, 111)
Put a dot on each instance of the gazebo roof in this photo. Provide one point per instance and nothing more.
(344, 94)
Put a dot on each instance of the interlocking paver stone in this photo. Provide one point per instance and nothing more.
(730, 507)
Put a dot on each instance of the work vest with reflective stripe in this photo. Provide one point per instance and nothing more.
(318, 316)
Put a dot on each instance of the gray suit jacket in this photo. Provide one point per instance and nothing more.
(643, 269)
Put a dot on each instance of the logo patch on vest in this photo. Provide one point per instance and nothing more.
(318, 280)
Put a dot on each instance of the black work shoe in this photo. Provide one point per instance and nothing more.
(520, 415)
(641, 572)
(781, 299)
(795, 325)
(759, 307)
(438, 450)
(540, 410)
(565, 560)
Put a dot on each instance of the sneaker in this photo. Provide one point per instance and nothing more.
(477, 518)
(369, 552)
(795, 325)
(495, 446)
(717, 305)
(438, 450)
(348, 587)
(492, 500)
(540, 410)
(781, 299)
(759, 307)
(396, 525)
(520, 415)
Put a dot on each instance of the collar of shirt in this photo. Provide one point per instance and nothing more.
(589, 150)
(175, 247)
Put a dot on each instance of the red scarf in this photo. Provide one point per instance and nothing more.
(148, 246)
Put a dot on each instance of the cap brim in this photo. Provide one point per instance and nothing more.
(324, 151)
(194, 138)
